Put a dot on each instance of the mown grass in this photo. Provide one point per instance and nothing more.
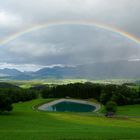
(24, 123)
(129, 110)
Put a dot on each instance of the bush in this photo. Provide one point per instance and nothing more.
(111, 107)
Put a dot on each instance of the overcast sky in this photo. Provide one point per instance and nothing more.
(67, 44)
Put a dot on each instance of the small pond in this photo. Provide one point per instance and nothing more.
(69, 106)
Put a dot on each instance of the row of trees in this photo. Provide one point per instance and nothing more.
(8, 96)
(19, 94)
(120, 94)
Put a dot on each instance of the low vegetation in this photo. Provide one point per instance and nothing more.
(129, 110)
(24, 123)
(27, 123)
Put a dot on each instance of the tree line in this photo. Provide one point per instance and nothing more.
(10, 95)
(120, 94)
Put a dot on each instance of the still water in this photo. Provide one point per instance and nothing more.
(67, 106)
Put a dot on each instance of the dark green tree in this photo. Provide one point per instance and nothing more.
(5, 103)
(111, 108)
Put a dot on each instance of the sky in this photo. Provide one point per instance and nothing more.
(67, 44)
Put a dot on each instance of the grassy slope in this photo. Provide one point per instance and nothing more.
(130, 110)
(24, 123)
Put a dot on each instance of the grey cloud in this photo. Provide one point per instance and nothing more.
(117, 13)
(70, 44)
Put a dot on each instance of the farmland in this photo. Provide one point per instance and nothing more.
(24, 123)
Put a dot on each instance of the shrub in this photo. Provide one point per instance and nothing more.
(111, 107)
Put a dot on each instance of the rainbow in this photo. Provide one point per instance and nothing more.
(54, 23)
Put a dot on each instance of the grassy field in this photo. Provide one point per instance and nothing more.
(30, 83)
(24, 123)
(129, 110)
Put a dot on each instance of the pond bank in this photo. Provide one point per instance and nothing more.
(46, 105)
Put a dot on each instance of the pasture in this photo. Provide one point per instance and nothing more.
(25, 122)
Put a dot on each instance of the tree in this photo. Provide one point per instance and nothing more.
(111, 108)
(5, 103)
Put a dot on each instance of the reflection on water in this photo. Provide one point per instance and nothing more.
(67, 106)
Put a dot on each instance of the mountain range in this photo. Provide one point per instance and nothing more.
(101, 70)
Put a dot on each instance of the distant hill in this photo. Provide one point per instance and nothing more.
(104, 70)
(118, 69)
(7, 85)
(58, 72)
(9, 72)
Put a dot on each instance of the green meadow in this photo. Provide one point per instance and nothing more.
(25, 122)
(129, 110)
(30, 83)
